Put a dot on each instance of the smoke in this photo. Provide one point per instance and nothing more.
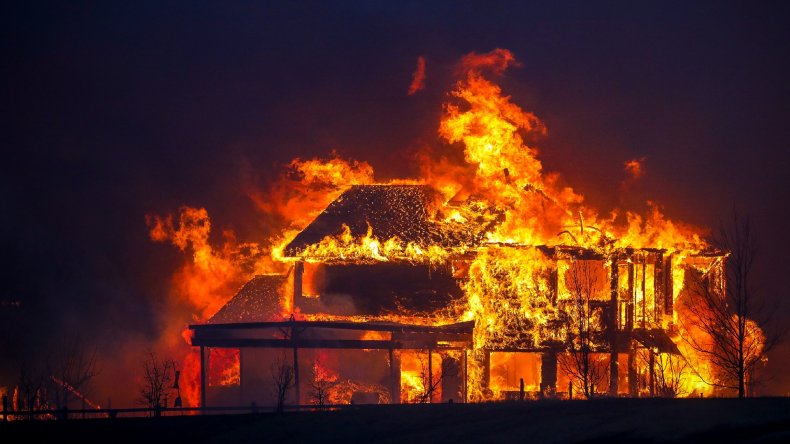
(497, 61)
(635, 168)
(418, 78)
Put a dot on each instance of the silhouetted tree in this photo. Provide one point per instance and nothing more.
(430, 379)
(283, 378)
(32, 388)
(670, 373)
(71, 367)
(585, 369)
(158, 381)
(320, 385)
(725, 304)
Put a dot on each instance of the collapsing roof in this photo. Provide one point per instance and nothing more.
(257, 301)
(394, 211)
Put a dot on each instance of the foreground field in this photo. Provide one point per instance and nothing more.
(605, 420)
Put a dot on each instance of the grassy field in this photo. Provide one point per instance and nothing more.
(605, 420)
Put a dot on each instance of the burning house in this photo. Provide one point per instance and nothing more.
(484, 279)
(395, 320)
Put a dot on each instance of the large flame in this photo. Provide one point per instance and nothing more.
(488, 175)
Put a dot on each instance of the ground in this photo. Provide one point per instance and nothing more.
(606, 420)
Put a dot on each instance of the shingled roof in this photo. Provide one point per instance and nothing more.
(257, 301)
(400, 211)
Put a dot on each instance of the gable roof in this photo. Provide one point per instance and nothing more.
(392, 210)
(257, 301)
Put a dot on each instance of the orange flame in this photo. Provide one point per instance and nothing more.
(488, 173)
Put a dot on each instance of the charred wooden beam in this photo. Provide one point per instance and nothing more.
(548, 372)
(630, 315)
(644, 291)
(669, 291)
(614, 278)
(658, 282)
(466, 376)
(394, 377)
(350, 344)
(203, 372)
(430, 376)
(461, 327)
(633, 387)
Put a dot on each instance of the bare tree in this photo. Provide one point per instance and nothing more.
(726, 306)
(320, 385)
(71, 367)
(32, 388)
(158, 381)
(670, 372)
(283, 378)
(430, 379)
(585, 369)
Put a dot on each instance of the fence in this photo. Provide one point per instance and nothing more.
(64, 414)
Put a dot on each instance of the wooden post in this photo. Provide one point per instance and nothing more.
(394, 378)
(548, 371)
(297, 291)
(658, 285)
(669, 297)
(652, 373)
(466, 377)
(486, 368)
(241, 376)
(430, 376)
(296, 364)
(203, 359)
(633, 387)
(614, 277)
(630, 312)
(644, 291)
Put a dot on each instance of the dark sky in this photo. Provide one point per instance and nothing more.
(112, 110)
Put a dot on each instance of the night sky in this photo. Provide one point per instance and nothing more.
(114, 111)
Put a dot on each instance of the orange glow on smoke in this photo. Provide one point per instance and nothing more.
(418, 79)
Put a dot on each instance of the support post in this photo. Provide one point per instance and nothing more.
(633, 387)
(466, 377)
(629, 321)
(394, 378)
(486, 369)
(652, 373)
(430, 376)
(548, 372)
(658, 281)
(613, 287)
(669, 297)
(644, 291)
(203, 359)
(296, 365)
(241, 376)
(297, 293)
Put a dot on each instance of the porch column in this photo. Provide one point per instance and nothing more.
(548, 372)
(614, 276)
(203, 368)
(394, 377)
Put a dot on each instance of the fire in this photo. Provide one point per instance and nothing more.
(214, 274)
(420, 382)
(515, 292)
(345, 247)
